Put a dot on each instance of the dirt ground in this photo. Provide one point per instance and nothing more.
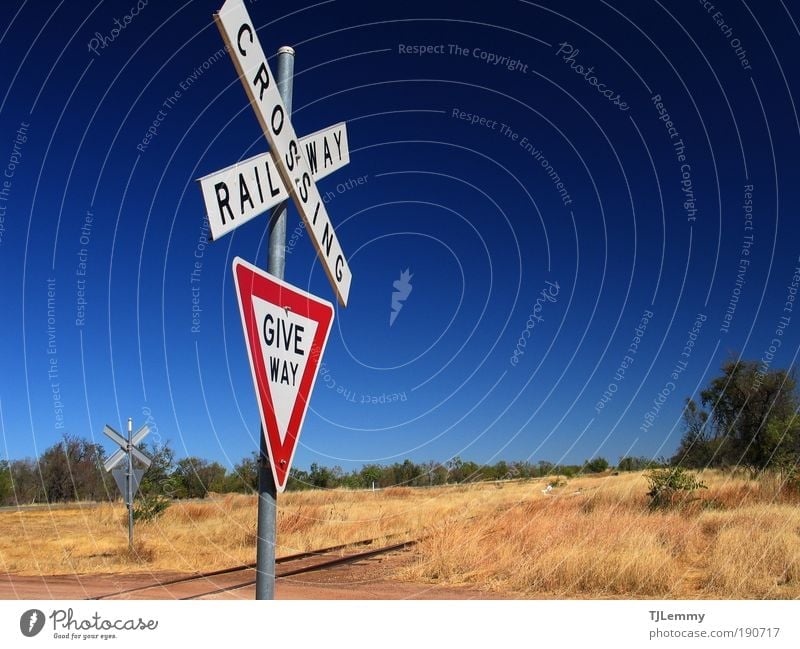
(368, 579)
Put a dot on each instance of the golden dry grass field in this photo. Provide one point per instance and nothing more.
(590, 537)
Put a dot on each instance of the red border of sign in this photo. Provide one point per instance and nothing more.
(250, 281)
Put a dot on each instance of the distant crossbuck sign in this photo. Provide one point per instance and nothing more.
(120, 473)
(286, 149)
(235, 195)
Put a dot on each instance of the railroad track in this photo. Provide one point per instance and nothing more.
(196, 586)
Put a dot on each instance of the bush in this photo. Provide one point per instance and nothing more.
(597, 465)
(149, 507)
(670, 485)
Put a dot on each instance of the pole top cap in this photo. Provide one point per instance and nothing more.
(286, 50)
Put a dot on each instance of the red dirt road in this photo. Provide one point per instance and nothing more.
(368, 579)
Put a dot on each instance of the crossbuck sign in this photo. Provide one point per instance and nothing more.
(286, 149)
(123, 473)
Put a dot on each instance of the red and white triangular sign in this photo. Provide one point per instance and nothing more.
(286, 331)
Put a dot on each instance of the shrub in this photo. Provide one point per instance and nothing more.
(149, 507)
(670, 485)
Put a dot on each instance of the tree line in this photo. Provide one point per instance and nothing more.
(745, 417)
(72, 469)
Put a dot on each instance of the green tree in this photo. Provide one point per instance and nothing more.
(158, 485)
(27, 484)
(321, 476)
(596, 465)
(747, 418)
(72, 470)
(158, 479)
(299, 480)
(544, 468)
(244, 477)
(6, 484)
(369, 474)
(196, 477)
(629, 463)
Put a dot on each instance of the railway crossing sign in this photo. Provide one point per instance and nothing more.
(129, 477)
(286, 150)
(121, 473)
(122, 452)
(235, 195)
(286, 330)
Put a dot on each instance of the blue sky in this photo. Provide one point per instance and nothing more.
(625, 158)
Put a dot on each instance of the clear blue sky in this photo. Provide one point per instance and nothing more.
(617, 185)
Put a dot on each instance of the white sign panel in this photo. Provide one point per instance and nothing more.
(285, 346)
(118, 456)
(241, 192)
(290, 159)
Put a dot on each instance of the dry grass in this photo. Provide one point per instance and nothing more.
(220, 531)
(590, 537)
(596, 537)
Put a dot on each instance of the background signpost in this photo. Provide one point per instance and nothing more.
(127, 478)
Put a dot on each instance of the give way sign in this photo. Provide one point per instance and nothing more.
(286, 331)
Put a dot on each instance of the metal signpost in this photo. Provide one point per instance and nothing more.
(238, 194)
(127, 478)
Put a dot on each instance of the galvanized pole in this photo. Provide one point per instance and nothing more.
(276, 263)
(129, 485)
